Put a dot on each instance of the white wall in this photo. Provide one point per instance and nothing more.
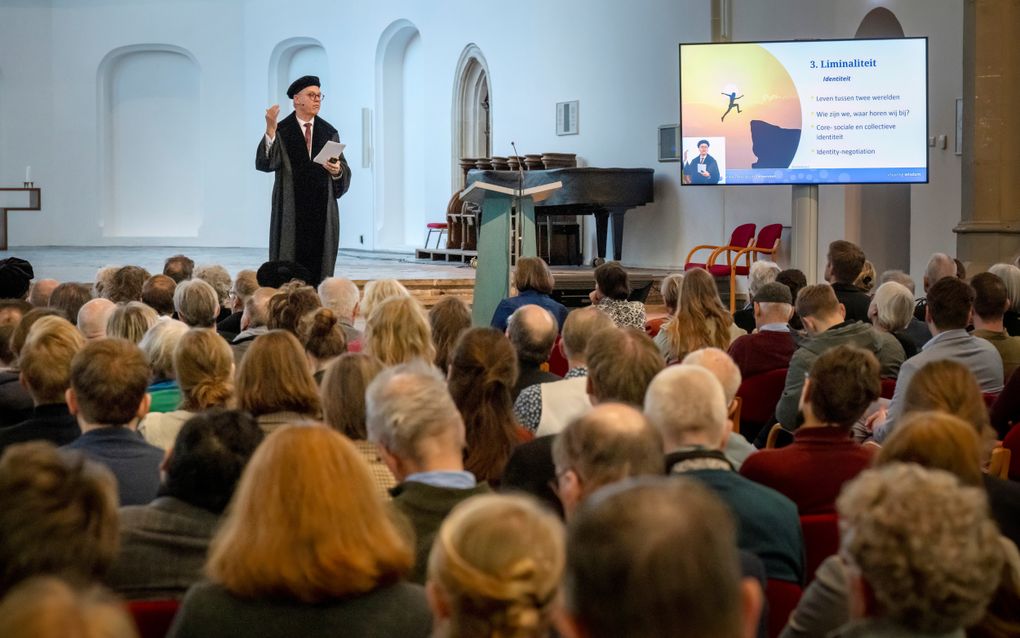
(618, 59)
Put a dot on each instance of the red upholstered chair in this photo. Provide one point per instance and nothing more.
(653, 326)
(558, 363)
(821, 539)
(783, 597)
(1012, 443)
(741, 240)
(767, 244)
(888, 388)
(153, 617)
(759, 395)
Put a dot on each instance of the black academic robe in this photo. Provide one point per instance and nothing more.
(711, 166)
(305, 223)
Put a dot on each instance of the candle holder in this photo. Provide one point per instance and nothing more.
(29, 184)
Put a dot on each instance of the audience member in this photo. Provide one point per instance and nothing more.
(204, 371)
(866, 279)
(687, 406)
(46, 607)
(244, 286)
(45, 364)
(16, 403)
(794, 280)
(939, 267)
(68, 298)
(990, 305)
(93, 317)
(1010, 275)
(760, 273)
(621, 364)
(107, 394)
(306, 548)
(103, 281)
(322, 338)
(126, 284)
(413, 419)
(701, 321)
(58, 516)
(158, 294)
(277, 274)
(736, 448)
(827, 327)
(813, 469)
(378, 291)
(343, 409)
(16, 276)
(292, 302)
(179, 268)
(343, 298)
(130, 320)
(448, 319)
(771, 346)
(612, 288)
(656, 557)
(546, 408)
(669, 288)
(892, 312)
(163, 545)
(159, 344)
(42, 290)
(845, 261)
(254, 321)
(1005, 411)
(948, 313)
(274, 384)
(397, 331)
(532, 333)
(609, 444)
(196, 304)
(217, 277)
(482, 373)
(534, 284)
(495, 568)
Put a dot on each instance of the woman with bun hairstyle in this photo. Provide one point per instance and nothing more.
(495, 569)
(204, 367)
(323, 339)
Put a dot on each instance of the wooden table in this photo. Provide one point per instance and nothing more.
(25, 198)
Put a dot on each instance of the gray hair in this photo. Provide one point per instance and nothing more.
(670, 289)
(943, 579)
(339, 295)
(196, 303)
(686, 404)
(1010, 275)
(894, 306)
(761, 273)
(901, 278)
(940, 265)
(159, 343)
(217, 277)
(408, 403)
(721, 366)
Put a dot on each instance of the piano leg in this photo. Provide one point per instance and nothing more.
(618, 232)
(601, 229)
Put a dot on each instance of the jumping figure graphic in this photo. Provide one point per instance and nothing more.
(733, 103)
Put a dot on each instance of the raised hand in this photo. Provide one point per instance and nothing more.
(272, 113)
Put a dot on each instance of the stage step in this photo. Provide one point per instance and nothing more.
(430, 291)
(445, 254)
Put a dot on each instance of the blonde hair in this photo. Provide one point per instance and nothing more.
(866, 279)
(378, 291)
(398, 331)
(46, 607)
(307, 523)
(343, 392)
(499, 559)
(159, 344)
(204, 365)
(274, 377)
(936, 440)
(700, 320)
(131, 321)
(45, 360)
(950, 387)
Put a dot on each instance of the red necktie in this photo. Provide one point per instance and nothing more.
(308, 137)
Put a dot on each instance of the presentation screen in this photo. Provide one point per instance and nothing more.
(809, 112)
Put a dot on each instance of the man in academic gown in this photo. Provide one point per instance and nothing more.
(703, 169)
(305, 223)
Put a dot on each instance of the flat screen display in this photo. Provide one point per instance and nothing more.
(804, 112)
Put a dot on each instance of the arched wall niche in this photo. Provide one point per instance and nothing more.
(294, 58)
(149, 99)
(399, 171)
(472, 110)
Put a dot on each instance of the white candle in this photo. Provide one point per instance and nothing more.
(28, 174)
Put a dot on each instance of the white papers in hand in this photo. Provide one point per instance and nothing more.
(329, 151)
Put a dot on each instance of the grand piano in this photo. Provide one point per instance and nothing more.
(606, 193)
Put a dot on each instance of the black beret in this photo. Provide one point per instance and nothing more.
(15, 275)
(274, 274)
(301, 84)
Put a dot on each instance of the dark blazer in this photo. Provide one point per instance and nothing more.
(855, 300)
(134, 463)
(507, 307)
(530, 469)
(15, 401)
(50, 422)
(163, 547)
(395, 611)
(530, 375)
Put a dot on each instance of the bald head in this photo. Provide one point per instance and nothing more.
(92, 318)
(532, 331)
(41, 291)
(341, 296)
(721, 366)
(940, 265)
(256, 309)
(579, 328)
(611, 442)
(686, 404)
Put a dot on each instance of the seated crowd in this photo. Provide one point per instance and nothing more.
(273, 459)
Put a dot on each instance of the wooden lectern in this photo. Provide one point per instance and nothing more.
(27, 198)
(497, 247)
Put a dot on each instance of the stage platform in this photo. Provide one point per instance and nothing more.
(427, 280)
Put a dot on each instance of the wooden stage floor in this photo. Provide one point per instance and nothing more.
(428, 280)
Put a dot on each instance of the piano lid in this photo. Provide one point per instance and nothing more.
(608, 187)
